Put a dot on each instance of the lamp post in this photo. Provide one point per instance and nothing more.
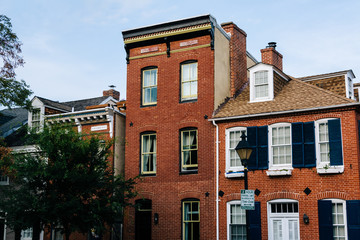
(244, 151)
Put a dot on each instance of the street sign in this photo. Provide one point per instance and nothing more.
(247, 199)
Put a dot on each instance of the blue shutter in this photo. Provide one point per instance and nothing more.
(262, 147)
(353, 219)
(252, 140)
(297, 144)
(255, 222)
(309, 145)
(325, 220)
(335, 142)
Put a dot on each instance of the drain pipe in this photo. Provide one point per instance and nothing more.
(217, 179)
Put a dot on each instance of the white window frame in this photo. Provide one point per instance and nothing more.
(233, 171)
(26, 238)
(279, 169)
(343, 202)
(287, 216)
(149, 86)
(228, 215)
(4, 180)
(189, 97)
(321, 167)
(270, 77)
(349, 76)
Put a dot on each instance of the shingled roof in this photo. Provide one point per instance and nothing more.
(295, 95)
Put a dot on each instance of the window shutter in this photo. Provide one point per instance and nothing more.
(252, 140)
(297, 144)
(335, 142)
(255, 222)
(309, 144)
(353, 218)
(325, 220)
(262, 147)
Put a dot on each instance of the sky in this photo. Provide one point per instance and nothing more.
(75, 50)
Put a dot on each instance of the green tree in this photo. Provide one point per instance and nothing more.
(12, 92)
(68, 182)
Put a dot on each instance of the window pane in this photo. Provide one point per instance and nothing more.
(146, 78)
(186, 89)
(153, 94)
(153, 77)
(186, 72)
(193, 88)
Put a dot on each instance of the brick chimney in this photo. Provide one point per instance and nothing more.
(112, 93)
(270, 56)
(238, 65)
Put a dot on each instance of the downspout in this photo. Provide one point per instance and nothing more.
(217, 179)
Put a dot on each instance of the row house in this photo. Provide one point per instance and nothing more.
(103, 116)
(192, 90)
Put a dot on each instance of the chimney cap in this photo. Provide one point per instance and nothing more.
(271, 45)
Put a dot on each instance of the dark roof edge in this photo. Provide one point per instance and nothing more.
(166, 26)
(285, 112)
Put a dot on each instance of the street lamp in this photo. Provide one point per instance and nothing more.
(244, 151)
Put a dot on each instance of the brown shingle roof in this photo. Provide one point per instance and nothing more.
(295, 95)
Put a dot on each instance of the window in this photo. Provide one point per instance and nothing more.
(57, 234)
(236, 219)
(233, 162)
(191, 220)
(280, 142)
(338, 216)
(27, 234)
(148, 153)
(4, 180)
(189, 148)
(189, 81)
(149, 86)
(283, 218)
(350, 87)
(328, 146)
(143, 219)
(35, 119)
(261, 84)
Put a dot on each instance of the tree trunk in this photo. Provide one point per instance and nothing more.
(17, 234)
(36, 230)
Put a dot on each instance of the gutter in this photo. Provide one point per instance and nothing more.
(356, 104)
(217, 179)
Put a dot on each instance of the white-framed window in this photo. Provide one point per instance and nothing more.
(149, 86)
(189, 150)
(233, 162)
(280, 146)
(148, 153)
(35, 119)
(350, 88)
(236, 221)
(189, 81)
(339, 219)
(322, 145)
(27, 234)
(4, 180)
(261, 84)
(283, 219)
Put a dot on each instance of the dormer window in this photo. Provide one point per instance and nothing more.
(35, 119)
(261, 84)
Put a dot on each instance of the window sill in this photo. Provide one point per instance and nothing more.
(279, 172)
(330, 170)
(234, 174)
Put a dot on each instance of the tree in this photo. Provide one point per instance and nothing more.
(68, 182)
(12, 92)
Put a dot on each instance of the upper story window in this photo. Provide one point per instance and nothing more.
(233, 162)
(35, 119)
(280, 142)
(149, 86)
(350, 87)
(189, 150)
(189, 81)
(148, 153)
(191, 219)
(261, 84)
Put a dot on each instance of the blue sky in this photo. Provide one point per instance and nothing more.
(74, 49)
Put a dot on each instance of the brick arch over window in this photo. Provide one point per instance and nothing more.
(231, 197)
(332, 194)
(191, 195)
(282, 195)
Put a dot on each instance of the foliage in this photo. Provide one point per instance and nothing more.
(12, 92)
(68, 182)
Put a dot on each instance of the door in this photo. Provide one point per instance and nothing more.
(143, 216)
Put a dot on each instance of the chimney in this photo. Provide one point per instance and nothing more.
(238, 65)
(112, 93)
(270, 56)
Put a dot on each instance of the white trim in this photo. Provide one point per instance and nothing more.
(281, 216)
(232, 171)
(217, 179)
(321, 167)
(347, 84)
(228, 215)
(336, 200)
(270, 78)
(279, 169)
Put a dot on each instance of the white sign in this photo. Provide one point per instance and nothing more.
(98, 128)
(247, 199)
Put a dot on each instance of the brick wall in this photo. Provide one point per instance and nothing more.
(270, 56)
(169, 187)
(343, 186)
